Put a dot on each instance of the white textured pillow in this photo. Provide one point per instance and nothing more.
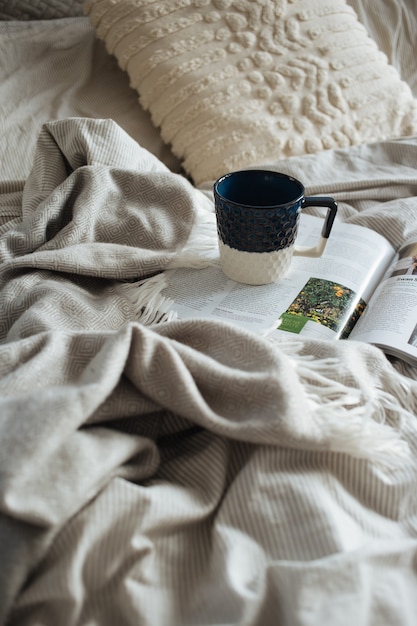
(237, 83)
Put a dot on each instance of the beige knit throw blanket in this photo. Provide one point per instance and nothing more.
(88, 390)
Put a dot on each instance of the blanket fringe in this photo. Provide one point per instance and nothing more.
(365, 422)
(201, 250)
(150, 306)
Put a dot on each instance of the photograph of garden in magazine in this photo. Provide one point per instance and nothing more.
(359, 289)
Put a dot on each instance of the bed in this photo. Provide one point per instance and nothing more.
(162, 471)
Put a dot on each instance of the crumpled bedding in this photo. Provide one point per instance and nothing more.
(56, 69)
(188, 472)
(40, 9)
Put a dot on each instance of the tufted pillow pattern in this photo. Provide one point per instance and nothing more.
(237, 83)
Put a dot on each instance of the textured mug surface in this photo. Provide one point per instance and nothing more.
(257, 213)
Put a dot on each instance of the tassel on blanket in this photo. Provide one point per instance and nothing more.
(201, 250)
(355, 394)
(145, 295)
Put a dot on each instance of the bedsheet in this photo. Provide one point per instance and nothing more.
(111, 423)
(55, 69)
(392, 24)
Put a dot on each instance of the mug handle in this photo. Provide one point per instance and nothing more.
(323, 201)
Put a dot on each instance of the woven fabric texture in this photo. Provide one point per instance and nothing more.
(40, 9)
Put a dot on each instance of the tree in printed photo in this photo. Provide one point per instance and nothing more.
(325, 302)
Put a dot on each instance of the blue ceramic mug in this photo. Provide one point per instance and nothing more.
(257, 214)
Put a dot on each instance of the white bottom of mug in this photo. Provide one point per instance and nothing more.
(255, 268)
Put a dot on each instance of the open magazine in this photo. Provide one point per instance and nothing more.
(359, 289)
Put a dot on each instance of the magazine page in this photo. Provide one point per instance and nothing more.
(319, 297)
(390, 320)
(329, 294)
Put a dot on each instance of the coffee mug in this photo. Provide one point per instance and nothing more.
(257, 213)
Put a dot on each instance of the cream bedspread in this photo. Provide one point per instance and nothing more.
(190, 472)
